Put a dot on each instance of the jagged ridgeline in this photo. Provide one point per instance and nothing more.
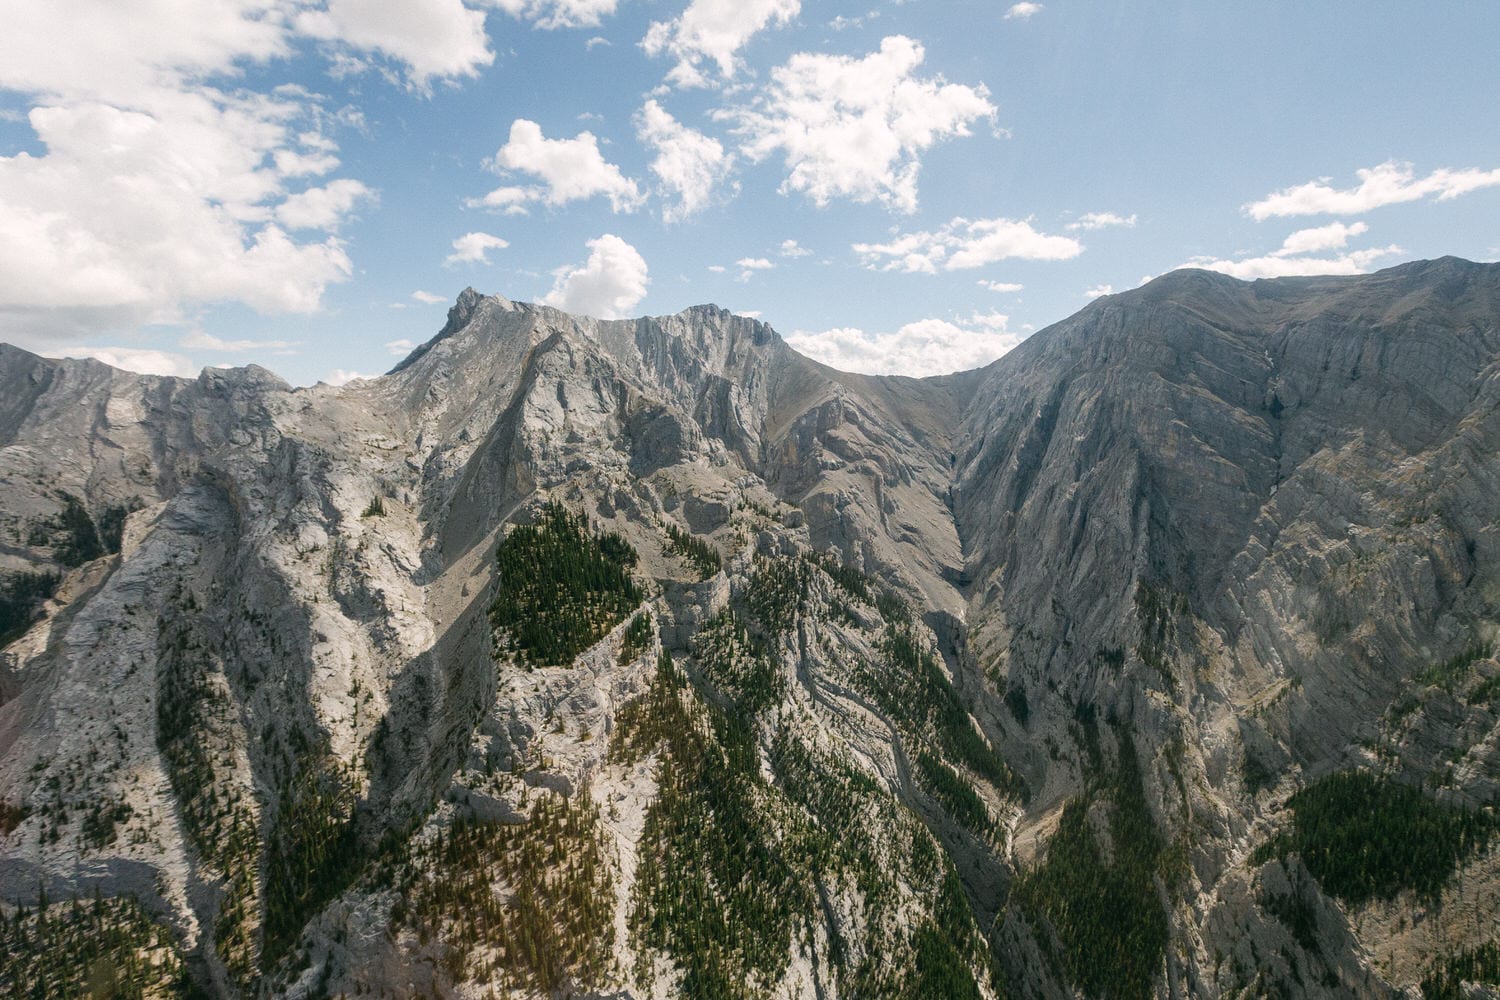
(648, 659)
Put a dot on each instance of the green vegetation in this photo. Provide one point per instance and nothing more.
(738, 665)
(778, 593)
(86, 949)
(1155, 611)
(79, 542)
(1485, 691)
(1104, 911)
(1366, 837)
(957, 796)
(313, 852)
(20, 596)
(701, 555)
(637, 637)
(562, 588)
(1453, 669)
(375, 508)
(523, 905)
(190, 719)
(714, 889)
(1473, 965)
(914, 691)
(734, 866)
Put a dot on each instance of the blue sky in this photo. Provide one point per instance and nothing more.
(906, 186)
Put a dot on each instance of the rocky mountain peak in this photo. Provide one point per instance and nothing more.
(649, 658)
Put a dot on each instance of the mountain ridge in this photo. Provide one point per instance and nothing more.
(1108, 606)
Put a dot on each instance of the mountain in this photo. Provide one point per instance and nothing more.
(649, 658)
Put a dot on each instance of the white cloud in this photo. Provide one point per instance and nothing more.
(157, 192)
(1098, 290)
(749, 265)
(689, 164)
(339, 377)
(510, 200)
(1000, 286)
(473, 248)
(551, 14)
(608, 285)
(1278, 265)
(1329, 237)
(322, 207)
(399, 348)
(197, 340)
(926, 347)
(136, 359)
(791, 248)
(1390, 183)
(713, 31)
(1101, 220)
(966, 243)
(435, 39)
(1022, 11)
(427, 298)
(856, 128)
(717, 268)
(748, 313)
(569, 169)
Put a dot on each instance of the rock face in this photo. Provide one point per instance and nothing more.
(1047, 679)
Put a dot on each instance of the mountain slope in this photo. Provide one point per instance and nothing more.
(650, 658)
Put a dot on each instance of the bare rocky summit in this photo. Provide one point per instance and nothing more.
(649, 658)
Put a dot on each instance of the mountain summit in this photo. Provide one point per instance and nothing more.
(649, 658)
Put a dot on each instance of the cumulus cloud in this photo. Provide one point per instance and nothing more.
(156, 191)
(713, 32)
(434, 39)
(1001, 286)
(1101, 220)
(1098, 290)
(569, 170)
(689, 165)
(966, 243)
(1390, 183)
(323, 207)
(925, 347)
(856, 128)
(791, 248)
(427, 298)
(399, 348)
(197, 340)
(551, 14)
(608, 285)
(473, 248)
(136, 359)
(1329, 237)
(1281, 265)
(1022, 11)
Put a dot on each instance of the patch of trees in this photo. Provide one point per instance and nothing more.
(1472, 965)
(562, 587)
(523, 905)
(1364, 837)
(698, 553)
(1108, 926)
(88, 948)
(20, 596)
